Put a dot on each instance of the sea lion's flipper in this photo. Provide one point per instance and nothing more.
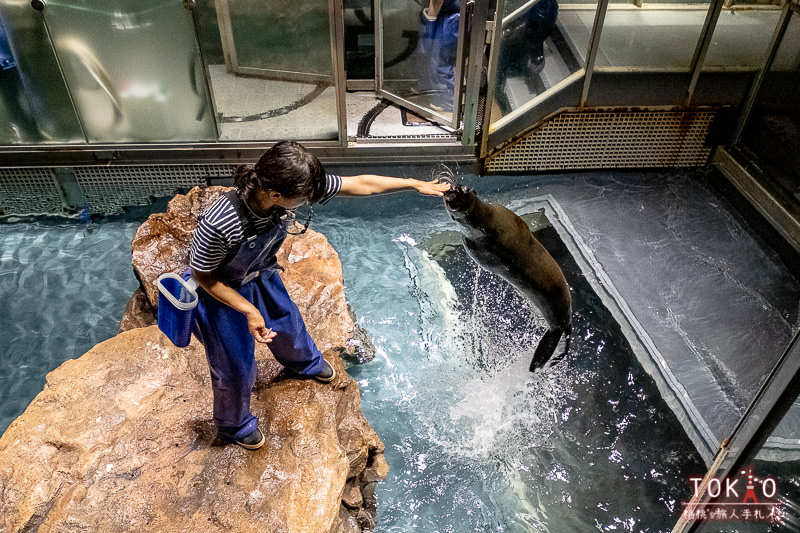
(547, 346)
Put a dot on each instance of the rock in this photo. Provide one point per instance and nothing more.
(352, 497)
(161, 244)
(313, 279)
(376, 470)
(122, 439)
(138, 313)
(359, 346)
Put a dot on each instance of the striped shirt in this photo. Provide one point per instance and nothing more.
(220, 229)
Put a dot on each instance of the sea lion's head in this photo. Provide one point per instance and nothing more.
(459, 201)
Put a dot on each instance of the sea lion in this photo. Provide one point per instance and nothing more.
(502, 243)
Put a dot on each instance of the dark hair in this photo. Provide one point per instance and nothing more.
(287, 168)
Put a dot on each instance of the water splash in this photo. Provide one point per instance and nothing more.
(443, 173)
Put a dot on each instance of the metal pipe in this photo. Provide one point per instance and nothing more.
(594, 46)
(706, 36)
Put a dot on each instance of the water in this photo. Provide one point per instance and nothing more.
(474, 442)
(63, 288)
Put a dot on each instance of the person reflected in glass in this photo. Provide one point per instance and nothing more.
(437, 49)
(241, 298)
(522, 46)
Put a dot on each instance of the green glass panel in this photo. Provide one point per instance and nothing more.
(282, 35)
(133, 69)
(359, 39)
(741, 39)
(34, 102)
(272, 78)
(420, 52)
(773, 128)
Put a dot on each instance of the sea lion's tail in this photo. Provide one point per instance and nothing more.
(547, 346)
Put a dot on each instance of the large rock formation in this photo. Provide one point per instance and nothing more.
(121, 439)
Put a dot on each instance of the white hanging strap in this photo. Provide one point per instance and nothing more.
(192, 284)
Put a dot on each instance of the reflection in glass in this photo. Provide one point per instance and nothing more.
(540, 45)
(274, 77)
(657, 38)
(359, 39)
(773, 128)
(420, 47)
(282, 35)
(34, 103)
(741, 38)
(132, 69)
(17, 126)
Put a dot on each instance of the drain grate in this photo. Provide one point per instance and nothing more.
(29, 191)
(109, 189)
(591, 140)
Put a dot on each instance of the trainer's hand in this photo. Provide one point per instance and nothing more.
(257, 327)
(432, 188)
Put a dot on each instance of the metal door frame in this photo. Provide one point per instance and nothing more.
(789, 9)
(521, 118)
(775, 397)
(533, 112)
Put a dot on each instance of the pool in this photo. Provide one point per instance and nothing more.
(474, 442)
(63, 287)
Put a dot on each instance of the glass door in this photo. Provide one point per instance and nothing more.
(133, 69)
(281, 70)
(420, 56)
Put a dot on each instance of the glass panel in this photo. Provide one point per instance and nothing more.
(773, 129)
(541, 44)
(272, 78)
(420, 50)
(662, 38)
(133, 69)
(34, 102)
(296, 34)
(765, 487)
(359, 37)
(741, 38)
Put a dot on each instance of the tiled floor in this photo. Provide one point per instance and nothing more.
(252, 108)
(261, 109)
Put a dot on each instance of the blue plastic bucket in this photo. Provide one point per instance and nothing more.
(177, 300)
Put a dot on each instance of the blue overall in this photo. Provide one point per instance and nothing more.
(252, 272)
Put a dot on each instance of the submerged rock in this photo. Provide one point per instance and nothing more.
(121, 439)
